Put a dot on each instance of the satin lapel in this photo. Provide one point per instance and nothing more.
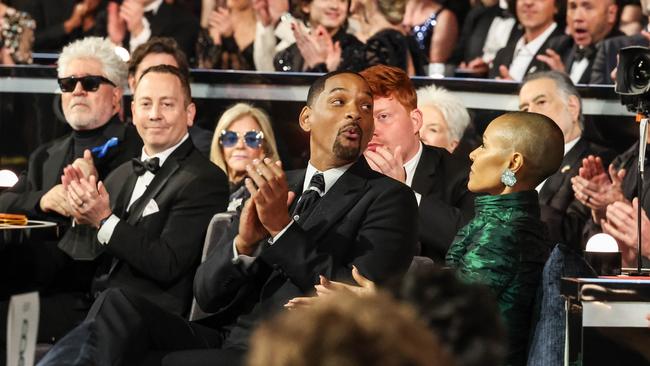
(295, 180)
(55, 162)
(571, 160)
(337, 201)
(123, 196)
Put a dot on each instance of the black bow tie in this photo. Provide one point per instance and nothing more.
(583, 52)
(139, 167)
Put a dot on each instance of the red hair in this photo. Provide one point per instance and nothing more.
(388, 81)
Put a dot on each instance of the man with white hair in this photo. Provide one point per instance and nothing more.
(91, 78)
(444, 117)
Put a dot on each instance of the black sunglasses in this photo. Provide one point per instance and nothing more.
(253, 139)
(89, 83)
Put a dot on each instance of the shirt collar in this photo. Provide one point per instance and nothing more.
(533, 46)
(409, 166)
(163, 155)
(330, 176)
(153, 7)
(569, 145)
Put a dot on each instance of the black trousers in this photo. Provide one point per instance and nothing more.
(126, 329)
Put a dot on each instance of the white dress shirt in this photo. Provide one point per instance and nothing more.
(144, 36)
(106, 230)
(577, 69)
(410, 167)
(525, 52)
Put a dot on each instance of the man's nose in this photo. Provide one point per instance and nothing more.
(78, 89)
(154, 112)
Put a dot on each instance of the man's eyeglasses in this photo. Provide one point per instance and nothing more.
(253, 139)
(89, 83)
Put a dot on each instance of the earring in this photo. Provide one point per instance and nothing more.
(508, 178)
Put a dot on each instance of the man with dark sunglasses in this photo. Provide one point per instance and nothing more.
(91, 78)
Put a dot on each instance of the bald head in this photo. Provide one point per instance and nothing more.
(537, 138)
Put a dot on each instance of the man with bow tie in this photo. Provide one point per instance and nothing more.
(589, 22)
(295, 228)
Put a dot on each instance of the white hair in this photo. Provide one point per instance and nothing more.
(449, 105)
(97, 48)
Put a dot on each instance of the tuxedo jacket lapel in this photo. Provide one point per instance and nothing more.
(424, 176)
(57, 155)
(569, 165)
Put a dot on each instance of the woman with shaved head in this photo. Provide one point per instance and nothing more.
(505, 245)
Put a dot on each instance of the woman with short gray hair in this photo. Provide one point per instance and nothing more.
(445, 117)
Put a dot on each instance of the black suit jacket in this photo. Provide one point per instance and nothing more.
(366, 219)
(556, 196)
(506, 55)
(446, 204)
(155, 254)
(606, 61)
(46, 165)
(474, 32)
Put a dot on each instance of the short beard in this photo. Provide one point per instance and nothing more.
(347, 153)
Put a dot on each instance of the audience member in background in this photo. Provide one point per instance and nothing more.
(61, 22)
(133, 22)
(380, 27)
(632, 20)
(363, 219)
(588, 22)
(243, 134)
(433, 27)
(482, 36)
(91, 78)
(607, 55)
(326, 45)
(552, 94)
(272, 33)
(165, 51)
(519, 56)
(16, 37)
(227, 42)
(444, 117)
(598, 189)
(505, 245)
(621, 223)
(347, 330)
(437, 178)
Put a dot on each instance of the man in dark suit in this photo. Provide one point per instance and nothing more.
(519, 56)
(606, 57)
(91, 78)
(135, 21)
(552, 94)
(437, 178)
(347, 215)
(589, 22)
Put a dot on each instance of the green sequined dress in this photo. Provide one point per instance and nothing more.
(505, 247)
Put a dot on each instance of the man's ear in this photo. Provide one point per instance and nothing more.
(573, 104)
(190, 110)
(305, 119)
(133, 119)
(117, 99)
(416, 120)
(612, 12)
(516, 162)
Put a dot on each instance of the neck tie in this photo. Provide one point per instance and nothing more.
(309, 197)
(582, 52)
(139, 167)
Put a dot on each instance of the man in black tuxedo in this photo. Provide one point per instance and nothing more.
(91, 78)
(589, 23)
(277, 249)
(519, 56)
(134, 22)
(552, 94)
(606, 57)
(437, 178)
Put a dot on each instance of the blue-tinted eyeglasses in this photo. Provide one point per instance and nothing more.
(253, 139)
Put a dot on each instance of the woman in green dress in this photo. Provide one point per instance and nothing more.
(505, 245)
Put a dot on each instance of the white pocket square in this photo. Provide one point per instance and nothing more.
(150, 208)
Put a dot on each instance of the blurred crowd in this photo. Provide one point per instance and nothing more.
(503, 39)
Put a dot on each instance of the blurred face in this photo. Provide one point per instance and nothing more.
(339, 120)
(488, 162)
(631, 18)
(590, 20)
(238, 4)
(542, 96)
(88, 110)
(159, 111)
(238, 156)
(152, 59)
(435, 130)
(395, 126)
(329, 13)
(535, 15)
(645, 7)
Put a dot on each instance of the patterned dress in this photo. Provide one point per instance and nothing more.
(17, 35)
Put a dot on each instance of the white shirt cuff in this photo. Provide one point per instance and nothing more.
(245, 260)
(106, 231)
(275, 238)
(143, 37)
